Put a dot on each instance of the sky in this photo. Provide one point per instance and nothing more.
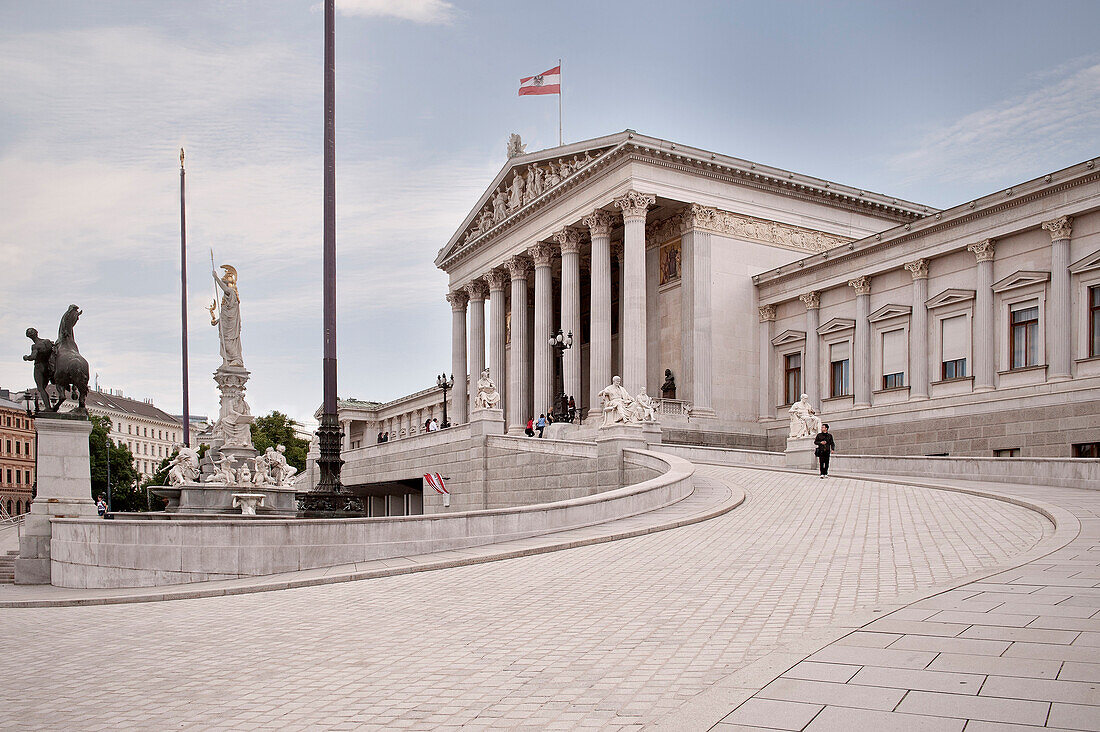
(933, 102)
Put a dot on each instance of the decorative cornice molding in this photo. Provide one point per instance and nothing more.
(862, 285)
(497, 280)
(983, 250)
(812, 300)
(599, 222)
(541, 254)
(771, 232)
(919, 269)
(659, 232)
(767, 313)
(457, 299)
(886, 312)
(634, 204)
(518, 266)
(1059, 228)
(569, 239)
(476, 290)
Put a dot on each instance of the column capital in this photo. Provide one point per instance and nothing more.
(476, 290)
(497, 280)
(861, 284)
(569, 239)
(983, 250)
(634, 204)
(767, 313)
(598, 222)
(458, 300)
(1059, 228)
(919, 269)
(518, 266)
(811, 299)
(542, 254)
(696, 217)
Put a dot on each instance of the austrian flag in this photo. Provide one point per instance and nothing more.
(548, 82)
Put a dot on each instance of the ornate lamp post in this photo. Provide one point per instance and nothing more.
(561, 344)
(446, 385)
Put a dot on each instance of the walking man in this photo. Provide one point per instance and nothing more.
(825, 447)
(541, 424)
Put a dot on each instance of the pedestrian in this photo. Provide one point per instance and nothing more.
(380, 440)
(433, 425)
(825, 447)
(101, 505)
(530, 430)
(428, 424)
(572, 410)
(541, 424)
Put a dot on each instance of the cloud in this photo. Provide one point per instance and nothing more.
(418, 11)
(1047, 127)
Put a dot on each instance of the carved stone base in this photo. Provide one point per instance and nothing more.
(208, 498)
(800, 453)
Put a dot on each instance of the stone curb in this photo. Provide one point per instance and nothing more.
(267, 584)
(709, 707)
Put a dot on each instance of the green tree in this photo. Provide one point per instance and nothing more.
(125, 495)
(278, 429)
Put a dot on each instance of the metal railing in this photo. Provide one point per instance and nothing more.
(673, 408)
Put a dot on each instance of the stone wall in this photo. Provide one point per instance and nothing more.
(522, 471)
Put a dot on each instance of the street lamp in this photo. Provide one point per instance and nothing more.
(561, 344)
(445, 384)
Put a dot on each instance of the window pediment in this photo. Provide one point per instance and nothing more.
(1086, 263)
(1020, 278)
(837, 325)
(890, 311)
(949, 297)
(789, 336)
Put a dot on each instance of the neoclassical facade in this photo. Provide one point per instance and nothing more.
(751, 284)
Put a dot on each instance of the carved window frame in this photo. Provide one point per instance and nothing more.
(1010, 293)
(786, 344)
(885, 320)
(1086, 274)
(950, 304)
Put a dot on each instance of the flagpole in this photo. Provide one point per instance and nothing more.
(183, 305)
(559, 103)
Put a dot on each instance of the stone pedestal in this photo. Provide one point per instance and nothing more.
(800, 453)
(64, 490)
(486, 422)
(210, 498)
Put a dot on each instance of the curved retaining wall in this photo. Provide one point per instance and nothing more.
(89, 553)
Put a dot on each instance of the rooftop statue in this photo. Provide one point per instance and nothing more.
(60, 364)
(516, 146)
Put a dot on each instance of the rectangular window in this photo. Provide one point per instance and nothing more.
(1023, 341)
(27, 473)
(1007, 452)
(894, 359)
(839, 369)
(18, 448)
(954, 337)
(792, 377)
(9, 476)
(18, 478)
(1087, 450)
(9, 447)
(1094, 320)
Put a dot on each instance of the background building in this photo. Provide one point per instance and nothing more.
(150, 433)
(17, 456)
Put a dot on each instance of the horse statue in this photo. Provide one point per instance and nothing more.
(60, 364)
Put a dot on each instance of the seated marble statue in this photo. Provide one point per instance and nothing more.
(487, 395)
(281, 471)
(618, 406)
(647, 405)
(184, 467)
(804, 419)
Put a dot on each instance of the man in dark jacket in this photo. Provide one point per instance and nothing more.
(825, 447)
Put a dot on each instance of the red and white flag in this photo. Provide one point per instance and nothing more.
(548, 82)
(435, 480)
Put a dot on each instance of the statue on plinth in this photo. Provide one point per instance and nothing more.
(618, 406)
(647, 406)
(233, 427)
(184, 467)
(804, 419)
(487, 395)
(668, 389)
(60, 364)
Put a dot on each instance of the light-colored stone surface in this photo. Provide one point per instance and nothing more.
(612, 635)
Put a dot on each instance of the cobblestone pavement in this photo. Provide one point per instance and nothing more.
(1016, 651)
(612, 635)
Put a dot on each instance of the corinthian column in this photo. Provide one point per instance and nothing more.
(519, 392)
(477, 291)
(1059, 312)
(458, 301)
(812, 367)
(633, 335)
(599, 350)
(497, 281)
(617, 316)
(767, 372)
(984, 353)
(569, 240)
(861, 352)
(918, 331)
(701, 373)
(542, 254)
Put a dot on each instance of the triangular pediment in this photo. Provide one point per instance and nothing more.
(836, 325)
(890, 311)
(1020, 278)
(949, 297)
(1086, 263)
(789, 336)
